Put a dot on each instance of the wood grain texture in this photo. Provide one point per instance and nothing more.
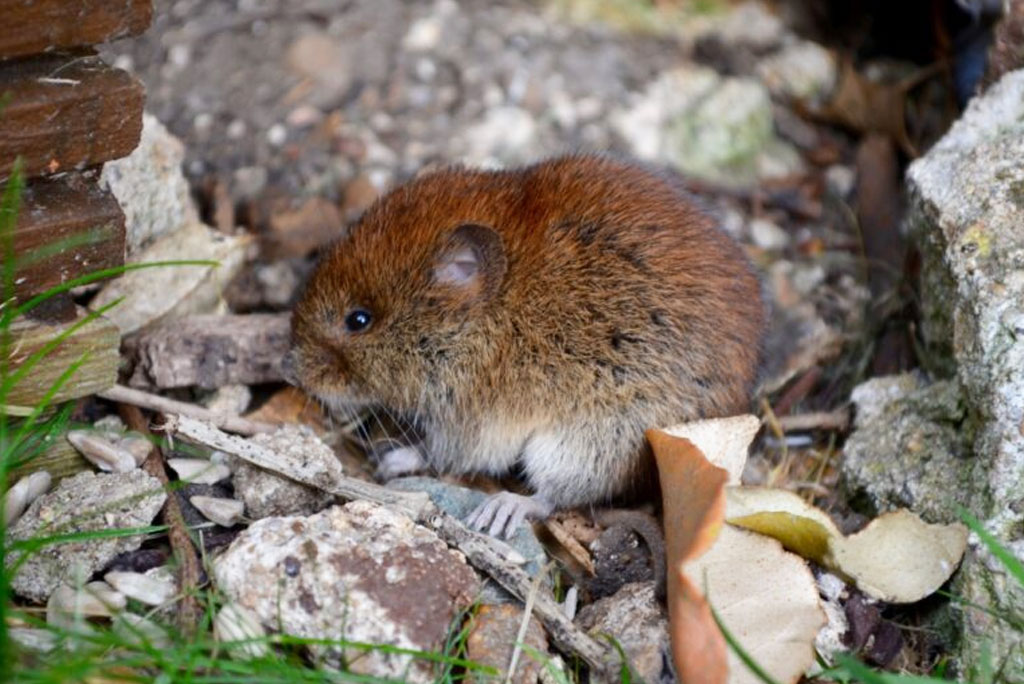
(95, 344)
(67, 112)
(34, 26)
(67, 227)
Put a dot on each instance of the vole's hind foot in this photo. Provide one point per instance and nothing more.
(395, 459)
(503, 513)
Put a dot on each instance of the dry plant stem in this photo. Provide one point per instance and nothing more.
(154, 402)
(479, 549)
(189, 612)
(571, 545)
(825, 420)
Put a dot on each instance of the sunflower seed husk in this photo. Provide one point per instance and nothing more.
(68, 608)
(106, 594)
(199, 471)
(237, 623)
(224, 512)
(33, 639)
(101, 452)
(137, 445)
(147, 589)
(136, 629)
(27, 490)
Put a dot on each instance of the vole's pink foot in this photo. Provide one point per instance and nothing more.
(503, 513)
(397, 461)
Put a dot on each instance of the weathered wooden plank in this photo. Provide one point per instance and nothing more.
(210, 351)
(67, 227)
(95, 344)
(67, 112)
(33, 26)
(58, 458)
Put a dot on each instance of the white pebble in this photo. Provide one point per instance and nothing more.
(237, 623)
(152, 591)
(768, 235)
(101, 452)
(277, 135)
(199, 471)
(224, 512)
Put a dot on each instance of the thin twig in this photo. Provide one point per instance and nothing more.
(190, 612)
(824, 420)
(154, 402)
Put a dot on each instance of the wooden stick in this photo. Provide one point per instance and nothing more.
(190, 612)
(482, 551)
(154, 402)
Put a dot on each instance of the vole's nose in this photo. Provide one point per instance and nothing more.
(288, 368)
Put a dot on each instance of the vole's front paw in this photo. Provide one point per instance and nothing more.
(503, 513)
(395, 460)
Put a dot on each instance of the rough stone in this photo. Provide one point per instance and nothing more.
(267, 494)
(493, 637)
(460, 502)
(150, 186)
(86, 502)
(359, 573)
(639, 624)
(966, 213)
(907, 450)
(802, 71)
(718, 129)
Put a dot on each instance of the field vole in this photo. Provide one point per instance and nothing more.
(537, 319)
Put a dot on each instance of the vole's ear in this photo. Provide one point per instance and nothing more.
(473, 260)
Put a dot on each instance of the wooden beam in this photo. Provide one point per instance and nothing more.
(67, 227)
(67, 112)
(34, 26)
(95, 345)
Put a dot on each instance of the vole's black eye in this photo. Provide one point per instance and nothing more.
(358, 320)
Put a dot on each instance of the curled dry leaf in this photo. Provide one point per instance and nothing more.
(897, 558)
(766, 597)
(722, 441)
(694, 507)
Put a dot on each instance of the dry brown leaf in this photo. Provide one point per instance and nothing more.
(768, 600)
(290, 405)
(897, 558)
(766, 597)
(694, 507)
(723, 441)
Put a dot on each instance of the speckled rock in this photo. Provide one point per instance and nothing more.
(86, 502)
(358, 572)
(801, 70)
(638, 623)
(268, 494)
(967, 214)
(907, 449)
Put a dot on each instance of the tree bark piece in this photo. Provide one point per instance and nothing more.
(67, 227)
(33, 26)
(210, 351)
(67, 112)
(95, 344)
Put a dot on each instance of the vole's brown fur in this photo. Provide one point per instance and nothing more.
(604, 304)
